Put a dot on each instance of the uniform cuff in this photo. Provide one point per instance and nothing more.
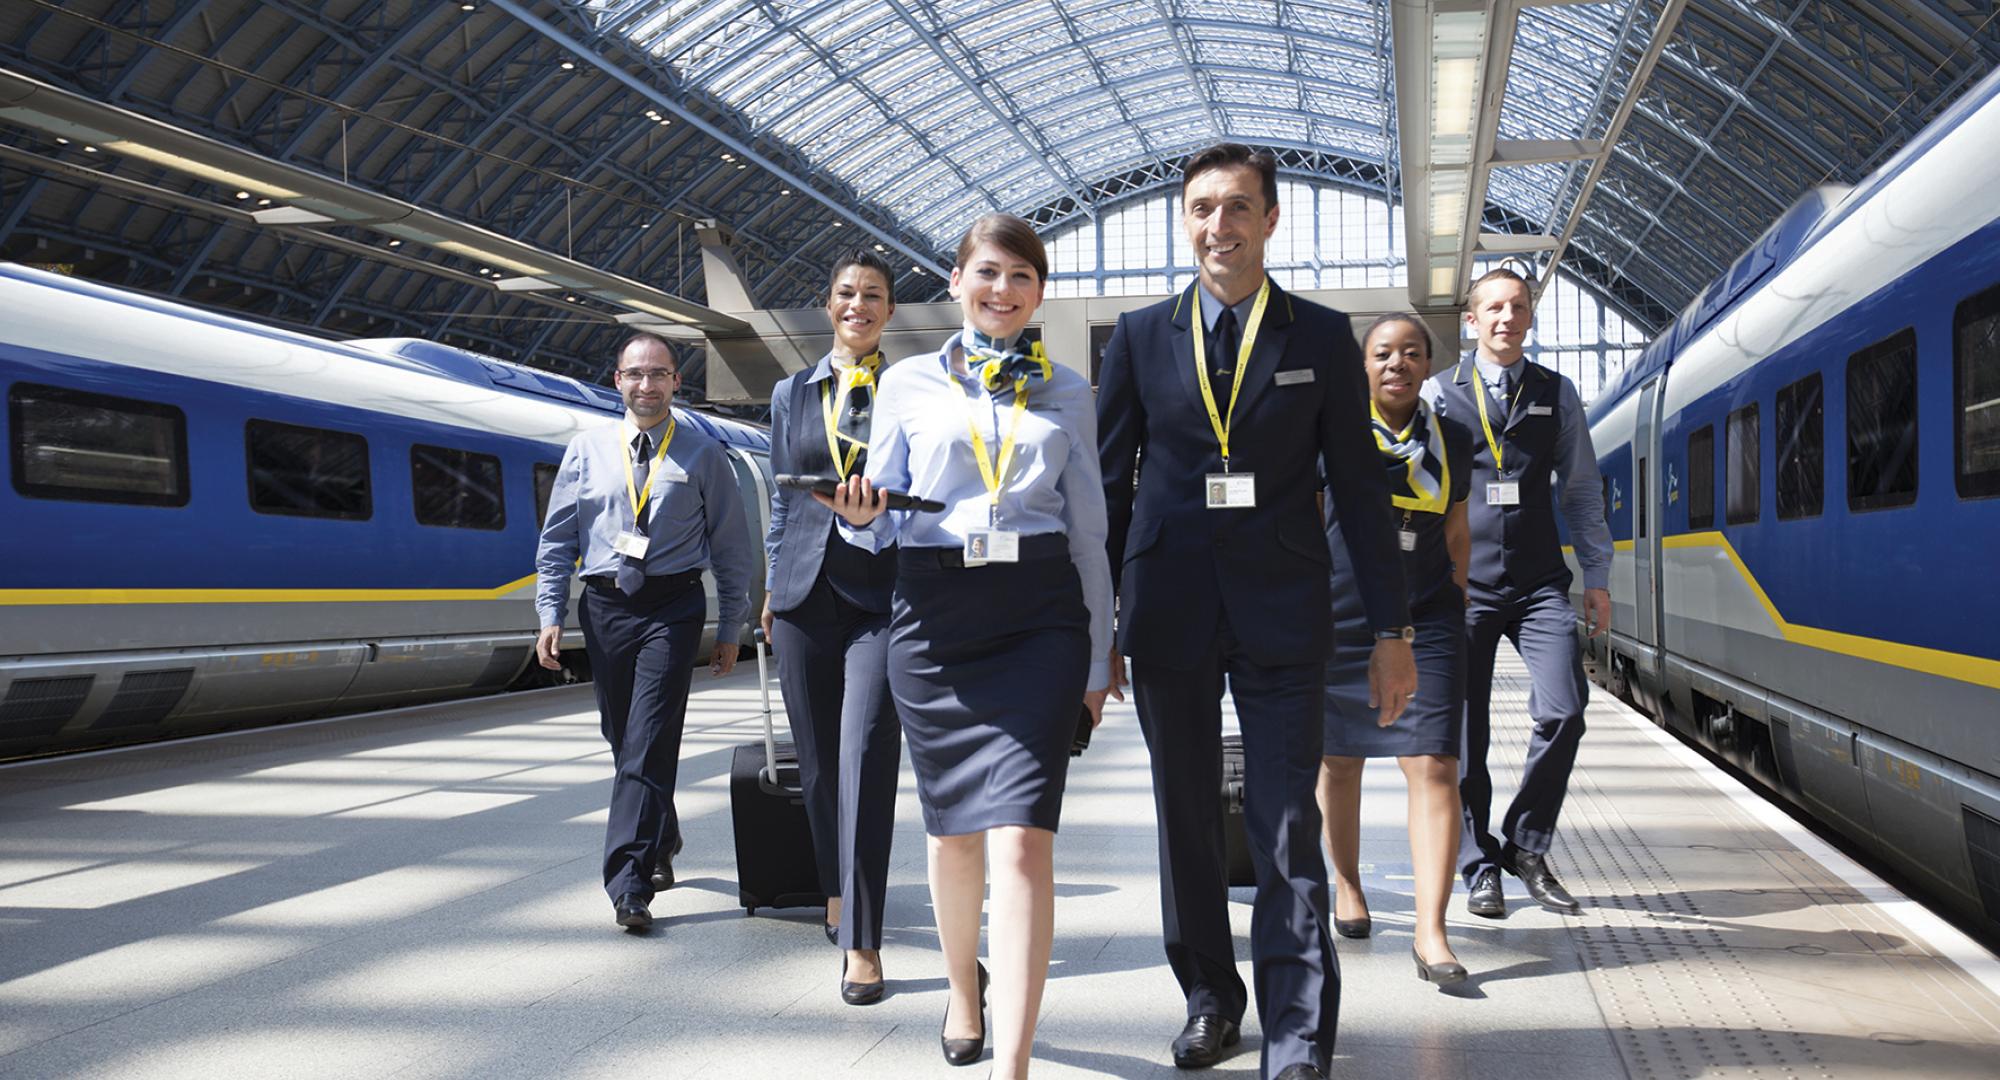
(1100, 675)
(728, 633)
(1597, 579)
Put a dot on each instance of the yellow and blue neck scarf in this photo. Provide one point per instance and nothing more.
(1419, 475)
(999, 365)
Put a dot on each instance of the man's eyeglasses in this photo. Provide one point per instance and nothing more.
(653, 374)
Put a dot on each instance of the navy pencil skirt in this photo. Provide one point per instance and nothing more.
(1435, 718)
(987, 666)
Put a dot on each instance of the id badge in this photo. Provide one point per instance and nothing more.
(1231, 491)
(984, 546)
(632, 544)
(1504, 493)
(1408, 538)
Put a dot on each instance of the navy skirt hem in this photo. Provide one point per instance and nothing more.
(1434, 721)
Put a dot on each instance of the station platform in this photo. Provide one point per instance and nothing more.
(415, 893)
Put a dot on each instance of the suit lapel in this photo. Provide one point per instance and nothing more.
(1187, 314)
(1268, 349)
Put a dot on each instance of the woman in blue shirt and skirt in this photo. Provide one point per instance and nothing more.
(1001, 621)
(1429, 462)
(826, 612)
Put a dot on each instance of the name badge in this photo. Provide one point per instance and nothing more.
(1504, 493)
(1541, 410)
(1231, 491)
(1293, 378)
(984, 546)
(631, 543)
(1408, 538)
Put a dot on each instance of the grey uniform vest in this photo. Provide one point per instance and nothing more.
(1515, 549)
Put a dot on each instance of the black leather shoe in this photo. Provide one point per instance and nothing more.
(1534, 872)
(631, 912)
(1203, 1040)
(1447, 973)
(1301, 1072)
(832, 933)
(965, 1051)
(663, 874)
(1354, 928)
(1485, 900)
(856, 993)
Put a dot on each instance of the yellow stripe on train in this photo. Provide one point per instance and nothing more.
(23, 597)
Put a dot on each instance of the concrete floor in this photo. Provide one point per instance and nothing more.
(416, 894)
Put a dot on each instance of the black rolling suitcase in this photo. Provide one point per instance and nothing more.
(1235, 838)
(775, 866)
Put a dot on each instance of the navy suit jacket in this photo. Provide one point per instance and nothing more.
(802, 541)
(1184, 571)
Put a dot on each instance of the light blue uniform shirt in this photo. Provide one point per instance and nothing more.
(1577, 490)
(921, 443)
(694, 519)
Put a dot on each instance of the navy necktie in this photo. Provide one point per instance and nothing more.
(1222, 361)
(632, 572)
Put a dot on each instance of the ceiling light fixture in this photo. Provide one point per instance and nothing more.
(569, 65)
(395, 243)
(242, 194)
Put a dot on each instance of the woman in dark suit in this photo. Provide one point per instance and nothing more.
(826, 612)
(1001, 622)
(1429, 462)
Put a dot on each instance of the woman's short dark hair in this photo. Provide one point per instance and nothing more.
(1010, 234)
(1222, 155)
(866, 260)
(1430, 343)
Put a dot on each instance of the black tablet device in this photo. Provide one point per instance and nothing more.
(825, 485)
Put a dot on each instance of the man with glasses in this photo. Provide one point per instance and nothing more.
(647, 505)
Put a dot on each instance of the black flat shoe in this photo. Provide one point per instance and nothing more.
(1448, 973)
(663, 874)
(1354, 928)
(1534, 872)
(630, 910)
(858, 993)
(1201, 1043)
(965, 1051)
(1486, 900)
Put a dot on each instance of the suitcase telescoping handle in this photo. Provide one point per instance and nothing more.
(770, 733)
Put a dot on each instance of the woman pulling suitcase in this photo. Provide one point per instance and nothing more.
(826, 612)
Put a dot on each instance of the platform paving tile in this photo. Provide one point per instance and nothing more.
(416, 894)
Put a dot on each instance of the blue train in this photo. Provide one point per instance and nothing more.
(1802, 476)
(198, 502)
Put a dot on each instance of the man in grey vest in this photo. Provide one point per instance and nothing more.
(1531, 456)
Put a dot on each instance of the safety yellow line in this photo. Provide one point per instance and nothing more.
(1951, 665)
(19, 597)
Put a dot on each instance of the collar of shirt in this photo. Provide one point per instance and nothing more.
(822, 370)
(630, 432)
(1211, 307)
(1490, 372)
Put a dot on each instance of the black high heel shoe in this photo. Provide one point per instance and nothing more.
(965, 1051)
(858, 993)
(1447, 973)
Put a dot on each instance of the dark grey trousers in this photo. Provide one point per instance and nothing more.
(833, 666)
(1542, 626)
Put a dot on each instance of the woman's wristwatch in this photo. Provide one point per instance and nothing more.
(1405, 633)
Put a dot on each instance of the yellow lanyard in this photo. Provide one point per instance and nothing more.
(830, 405)
(631, 486)
(1217, 420)
(1487, 425)
(987, 471)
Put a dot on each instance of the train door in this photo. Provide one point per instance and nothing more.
(1646, 523)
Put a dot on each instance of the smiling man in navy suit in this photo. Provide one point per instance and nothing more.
(1233, 394)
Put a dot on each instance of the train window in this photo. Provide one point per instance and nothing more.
(1743, 449)
(1639, 501)
(308, 472)
(1801, 435)
(68, 444)
(457, 488)
(1882, 424)
(545, 484)
(1701, 478)
(1976, 395)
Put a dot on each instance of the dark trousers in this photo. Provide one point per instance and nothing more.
(833, 663)
(641, 650)
(1292, 958)
(1542, 625)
